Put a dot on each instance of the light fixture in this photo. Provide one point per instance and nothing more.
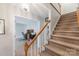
(25, 6)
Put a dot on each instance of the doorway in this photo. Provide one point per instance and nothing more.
(22, 25)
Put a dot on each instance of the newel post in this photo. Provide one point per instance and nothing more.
(26, 49)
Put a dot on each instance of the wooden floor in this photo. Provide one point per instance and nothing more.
(19, 47)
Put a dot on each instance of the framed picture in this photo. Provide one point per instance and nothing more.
(2, 26)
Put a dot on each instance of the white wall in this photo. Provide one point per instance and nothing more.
(6, 46)
(68, 7)
(8, 12)
(57, 6)
(54, 16)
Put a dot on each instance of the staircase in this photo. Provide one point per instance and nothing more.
(65, 38)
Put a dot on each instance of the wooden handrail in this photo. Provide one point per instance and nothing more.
(77, 13)
(27, 46)
(56, 8)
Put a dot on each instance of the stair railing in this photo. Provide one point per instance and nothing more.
(77, 13)
(31, 47)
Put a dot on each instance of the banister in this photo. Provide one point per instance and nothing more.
(56, 8)
(77, 13)
(28, 45)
